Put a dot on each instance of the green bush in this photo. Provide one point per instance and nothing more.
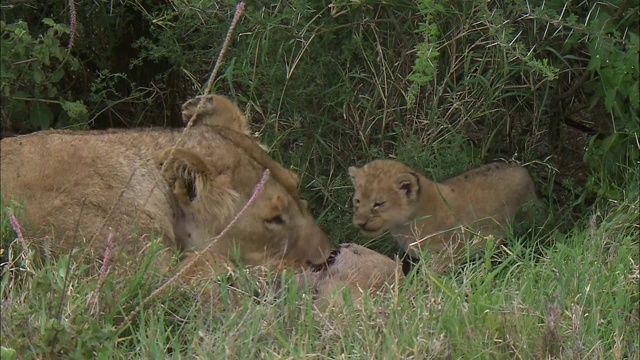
(33, 77)
(329, 86)
(332, 86)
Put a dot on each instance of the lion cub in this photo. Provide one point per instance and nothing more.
(442, 218)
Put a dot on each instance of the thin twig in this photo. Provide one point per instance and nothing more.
(104, 269)
(256, 192)
(18, 230)
(212, 76)
(104, 222)
(72, 24)
(236, 17)
(68, 271)
(214, 72)
(225, 45)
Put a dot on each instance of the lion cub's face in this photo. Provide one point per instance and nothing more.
(385, 196)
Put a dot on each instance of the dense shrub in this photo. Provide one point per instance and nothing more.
(363, 79)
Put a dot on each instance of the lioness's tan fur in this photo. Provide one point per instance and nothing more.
(216, 110)
(441, 218)
(60, 179)
(353, 267)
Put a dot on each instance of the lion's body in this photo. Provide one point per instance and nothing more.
(66, 183)
(53, 173)
(353, 267)
(442, 218)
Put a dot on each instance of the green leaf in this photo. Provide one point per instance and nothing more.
(64, 120)
(634, 40)
(609, 98)
(7, 353)
(63, 266)
(38, 76)
(76, 110)
(634, 97)
(48, 21)
(40, 115)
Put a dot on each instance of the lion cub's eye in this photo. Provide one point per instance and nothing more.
(276, 220)
(378, 205)
(356, 202)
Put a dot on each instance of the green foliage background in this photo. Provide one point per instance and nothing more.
(442, 86)
(340, 82)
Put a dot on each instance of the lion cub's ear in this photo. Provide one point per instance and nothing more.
(407, 183)
(185, 171)
(353, 173)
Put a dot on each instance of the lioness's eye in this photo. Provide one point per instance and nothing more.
(356, 201)
(276, 220)
(378, 205)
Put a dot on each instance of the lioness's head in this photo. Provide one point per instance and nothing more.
(386, 193)
(209, 192)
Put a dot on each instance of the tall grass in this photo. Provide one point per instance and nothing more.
(577, 298)
(566, 291)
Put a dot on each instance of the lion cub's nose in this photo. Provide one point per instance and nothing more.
(361, 223)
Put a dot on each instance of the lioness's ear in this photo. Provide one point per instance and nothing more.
(189, 108)
(184, 171)
(408, 183)
(353, 173)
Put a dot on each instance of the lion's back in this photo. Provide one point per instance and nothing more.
(57, 179)
(63, 159)
(495, 185)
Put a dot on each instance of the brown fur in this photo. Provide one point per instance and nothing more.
(217, 110)
(441, 218)
(353, 267)
(50, 174)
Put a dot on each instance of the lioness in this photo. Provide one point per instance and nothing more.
(443, 218)
(353, 267)
(67, 184)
